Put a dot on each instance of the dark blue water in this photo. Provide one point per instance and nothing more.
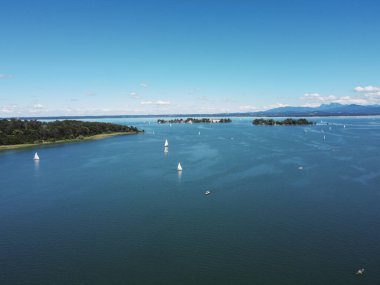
(116, 211)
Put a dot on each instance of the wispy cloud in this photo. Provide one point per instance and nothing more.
(277, 105)
(91, 94)
(202, 98)
(157, 103)
(134, 95)
(317, 99)
(38, 106)
(248, 108)
(371, 92)
(3, 75)
(366, 95)
(7, 109)
(143, 85)
(367, 89)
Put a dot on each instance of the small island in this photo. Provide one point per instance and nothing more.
(194, 121)
(286, 122)
(16, 133)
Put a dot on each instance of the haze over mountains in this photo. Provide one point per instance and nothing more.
(333, 109)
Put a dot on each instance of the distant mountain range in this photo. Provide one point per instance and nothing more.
(333, 109)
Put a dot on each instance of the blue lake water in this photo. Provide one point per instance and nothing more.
(116, 211)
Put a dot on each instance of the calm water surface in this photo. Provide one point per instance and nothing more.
(116, 211)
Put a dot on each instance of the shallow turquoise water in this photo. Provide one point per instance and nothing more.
(115, 211)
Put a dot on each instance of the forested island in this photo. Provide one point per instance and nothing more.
(193, 120)
(14, 132)
(286, 122)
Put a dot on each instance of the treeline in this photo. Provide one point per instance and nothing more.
(193, 120)
(15, 131)
(287, 122)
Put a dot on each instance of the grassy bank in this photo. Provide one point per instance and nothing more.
(89, 138)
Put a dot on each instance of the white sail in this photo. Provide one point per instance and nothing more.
(166, 143)
(179, 167)
(36, 157)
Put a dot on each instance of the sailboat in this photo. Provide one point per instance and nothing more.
(36, 157)
(179, 167)
(360, 271)
(166, 143)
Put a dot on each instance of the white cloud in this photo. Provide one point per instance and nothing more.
(38, 106)
(92, 94)
(158, 103)
(277, 105)
(134, 95)
(346, 100)
(362, 98)
(318, 98)
(372, 94)
(366, 88)
(247, 108)
(143, 85)
(8, 109)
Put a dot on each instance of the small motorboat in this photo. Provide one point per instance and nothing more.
(360, 271)
(207, 192)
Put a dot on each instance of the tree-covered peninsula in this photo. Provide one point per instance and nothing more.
(193, 120)
(286, 122)
(18, 132)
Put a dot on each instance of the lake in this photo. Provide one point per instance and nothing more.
(286, 206)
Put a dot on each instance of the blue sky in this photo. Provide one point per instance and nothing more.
(151, 57)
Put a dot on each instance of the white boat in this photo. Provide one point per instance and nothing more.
(179, 167)
(199, 133)
(207, 192)
(36, 157)
(166, 149)
(166, 143)
(300, 168)
(344, 126)
(360, 271)
(324, 137)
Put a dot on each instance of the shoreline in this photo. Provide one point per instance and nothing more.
(89, 138)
